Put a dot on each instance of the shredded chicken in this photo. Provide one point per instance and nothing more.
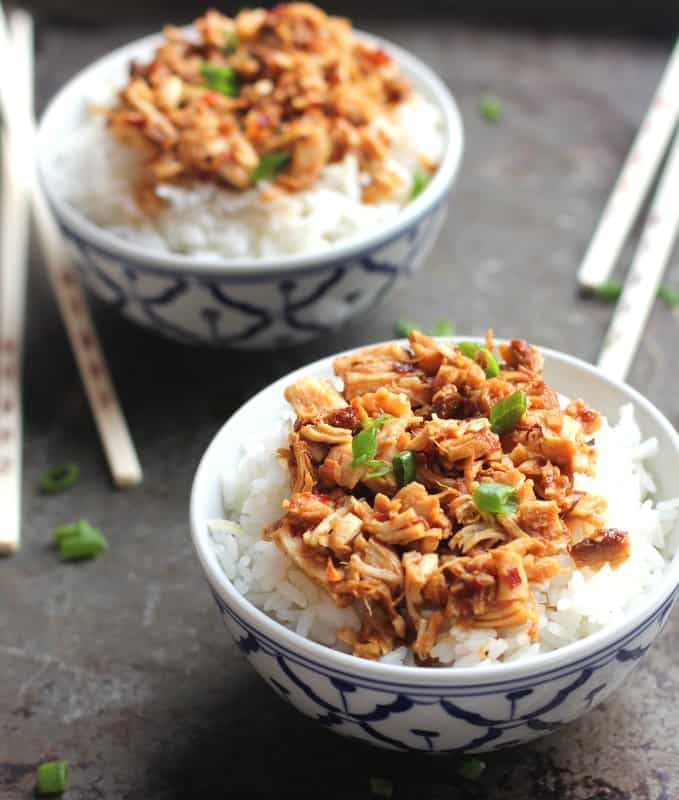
(290, 83)
(416, 550)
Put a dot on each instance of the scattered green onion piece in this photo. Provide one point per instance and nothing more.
(472, 768)
(364, 444)
(79, 541)
(270, 164)
(52, 778)
(609, 291)
(491, 108)
(495, 498)
(489, 363)
(669, 295)
(507, 412)
(443, 327)
(403, 328)
(64, 531)
(488, 360)
(230, 41)
(404, 464)
(380, 787)
(378, 469)
(469, 349)
(220, 79)
(420, 181)
(60, 479)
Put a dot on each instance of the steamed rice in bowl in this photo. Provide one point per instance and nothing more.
(173, 184)
(576, 601)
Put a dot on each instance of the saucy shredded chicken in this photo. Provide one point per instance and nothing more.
(436, 495)
(266, 95)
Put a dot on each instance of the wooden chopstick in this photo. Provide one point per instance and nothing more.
(14, 224)
(110, 421)
(634, 180)
(641, 286)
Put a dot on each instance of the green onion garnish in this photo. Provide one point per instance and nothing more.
(420, 181)
(482, 356)
(444, 327)
(507, 412)
(230, 41)
(469, 349)
(380, 787)
(472, 768)
(495, 498)
(79, 541)
(403, 328)
(491, 108)
(404, 467)
(669, 296)
(364, 444)
(220, 79)
(52, 778)
(60, 479)
(270, 164)
(609, 291)
(378, 469)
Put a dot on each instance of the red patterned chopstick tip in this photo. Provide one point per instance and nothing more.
(67, 278)
(104, 399)
(86, 340)
(95, 370)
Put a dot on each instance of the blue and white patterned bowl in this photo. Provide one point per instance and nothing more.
(438, 709)
(246, 303)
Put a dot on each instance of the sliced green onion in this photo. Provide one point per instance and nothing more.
(230, 41)
(472, 768)
(491, 108)
(404, 467)
(609, 291)
(469, 349)
(380, 787)
(220, 79)
(487, 360)
(420, 181)
(403, 328)
(669, 296)
(444, 327)
(270, 164)
(495, 498)
(378, 469)
(364, 444)
(79, 541)
(52, 778)
(60, 479)
(507, 412)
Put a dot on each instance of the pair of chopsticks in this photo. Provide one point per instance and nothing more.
(660, 228)
(21, 193)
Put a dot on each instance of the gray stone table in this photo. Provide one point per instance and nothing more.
(122, 666)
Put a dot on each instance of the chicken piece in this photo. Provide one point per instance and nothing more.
(382, 401)
(378, 562)
(335, 532)
(306, 510)
(418, 570)
(477, 536)
(456, 440)
(313, 397)
(540, 519)
(323, 433)
(587, 516)
(337, 469)
(606, 546)
(300, 464)
(518, 354)
(428, 630)
(393, 525)
(589, 418)
(382, 366)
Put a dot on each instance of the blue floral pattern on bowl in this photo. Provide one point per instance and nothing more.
(259, 310)
(444, 719)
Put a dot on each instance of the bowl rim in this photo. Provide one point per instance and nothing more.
(88, 232)
(462, 677)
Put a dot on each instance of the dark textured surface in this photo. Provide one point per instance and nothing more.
(122, 666)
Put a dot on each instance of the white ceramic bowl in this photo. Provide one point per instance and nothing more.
(246, 303)
(438, 709)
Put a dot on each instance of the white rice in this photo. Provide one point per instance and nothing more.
(572, 605)
(211, 222)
